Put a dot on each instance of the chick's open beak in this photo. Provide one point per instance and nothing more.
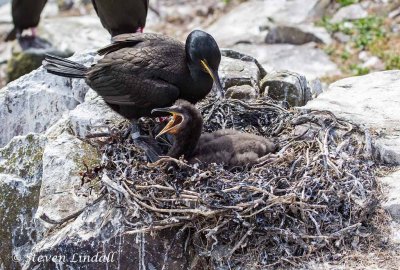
(214, 75)
(172, 126)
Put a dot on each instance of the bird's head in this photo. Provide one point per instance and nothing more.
(204, 55)
(185, 118)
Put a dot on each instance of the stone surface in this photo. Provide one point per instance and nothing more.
(392, 190)
(287, 86)
(243, 92)
(229, 30)
(297, 35)
(80, 34)
(372, 100)
(61, 191)
(352, 12)
(101, 231)
(235, 72)
(20, 179)
(305, 59)
(35, 102)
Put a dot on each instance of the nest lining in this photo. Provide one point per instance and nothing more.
(314, 198)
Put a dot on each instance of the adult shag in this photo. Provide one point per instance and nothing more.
(25, 14)
(140, 72)
(229, 147)
(122, 16)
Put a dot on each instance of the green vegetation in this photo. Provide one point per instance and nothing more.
(371, 34)
(344, 3)
(363, 31)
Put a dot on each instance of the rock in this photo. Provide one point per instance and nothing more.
(37, 100)
(235, 72)
(341, 37)
(316, 88)
(297, 35)
(80, 33)
(372, 100)
(392, 190)
(61, 191)
(243, 92)
(28, 54)
(352, 12)
(305, 59)
(20, 178)
(228, 30)
(287, 86)
(101, 235)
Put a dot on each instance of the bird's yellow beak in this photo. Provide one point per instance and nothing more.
(173, 125)
(214, 75)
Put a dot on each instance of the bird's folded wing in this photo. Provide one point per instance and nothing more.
(125, 83)
(132, 39)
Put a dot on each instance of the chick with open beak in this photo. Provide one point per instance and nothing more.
(226, 146)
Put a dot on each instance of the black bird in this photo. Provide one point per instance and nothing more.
(122, 16)
(140, 72)
(229, 147)
(25, 14)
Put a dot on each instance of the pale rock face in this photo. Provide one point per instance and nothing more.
(61, 190)
(37, 100)
(372, 100)
(229, 31)
(392, 187)
(305, 59)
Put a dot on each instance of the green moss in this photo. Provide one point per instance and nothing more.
(23, 157)
(22, 63)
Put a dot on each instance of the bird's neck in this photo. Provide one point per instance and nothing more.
(186, 141)
(200, 85)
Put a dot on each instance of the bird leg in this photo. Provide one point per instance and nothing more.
(33, 31)
(146, 143)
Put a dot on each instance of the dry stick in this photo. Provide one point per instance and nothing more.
(45, 218)
(238, 244)
(154, 228)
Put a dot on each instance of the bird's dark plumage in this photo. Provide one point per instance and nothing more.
(122, 16)
(140, 72)
(229, 147)
(25, 14)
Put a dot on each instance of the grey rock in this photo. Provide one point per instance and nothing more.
(287, 86)
(229, 30)
(243, 92)
(352, 12)
(37, 100)
(102, 231)
(392, 191)
(79, 33)
(341, 37)
(235, 72)
(20, 178)
(372, 100)
(297, 35)
(316, 88)
(305, 59)
(61, 190)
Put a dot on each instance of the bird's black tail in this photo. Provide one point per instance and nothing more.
(64, 67)
(12, 35)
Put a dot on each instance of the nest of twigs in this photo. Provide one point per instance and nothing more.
(317, 196)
